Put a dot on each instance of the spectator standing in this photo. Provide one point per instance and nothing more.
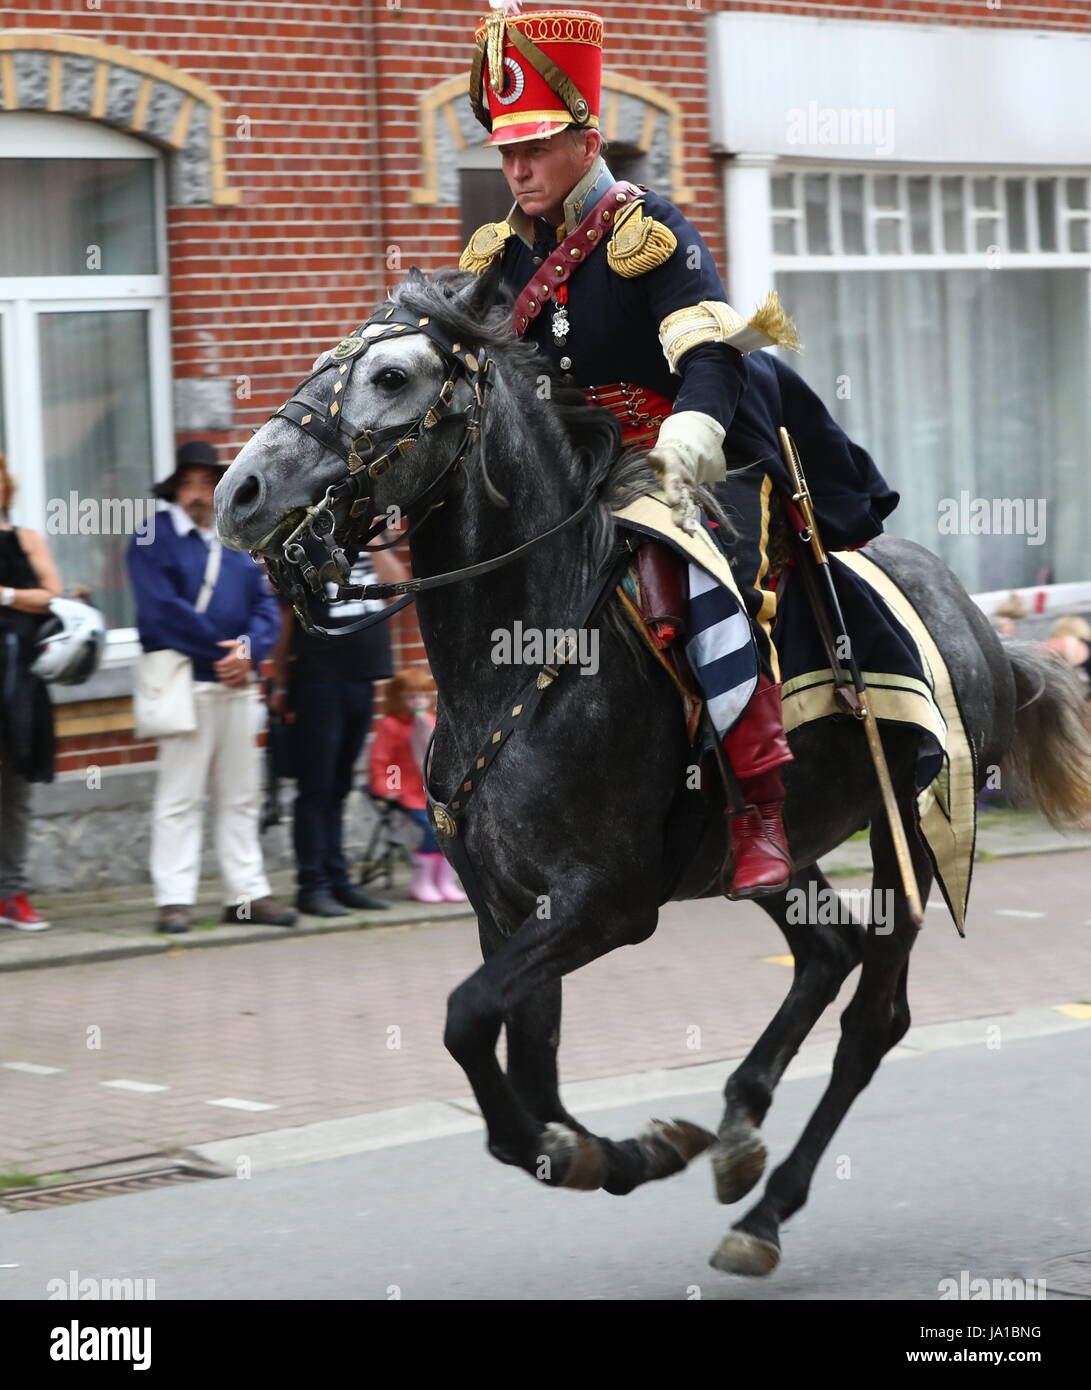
(28, 581)
(327, 684)
(397, 760)
(226, 643)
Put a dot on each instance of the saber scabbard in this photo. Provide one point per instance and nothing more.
(852, 693)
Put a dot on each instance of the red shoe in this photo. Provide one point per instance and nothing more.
(763, 862)
(17, 912)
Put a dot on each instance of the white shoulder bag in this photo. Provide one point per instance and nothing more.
(163, 694)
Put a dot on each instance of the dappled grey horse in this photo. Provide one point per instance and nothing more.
(579, 813)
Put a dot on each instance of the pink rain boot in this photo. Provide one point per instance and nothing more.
(423, 887)
(447, 883)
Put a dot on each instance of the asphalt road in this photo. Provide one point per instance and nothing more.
(964, 1159)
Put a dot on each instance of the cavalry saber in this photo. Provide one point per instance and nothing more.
(810, 537)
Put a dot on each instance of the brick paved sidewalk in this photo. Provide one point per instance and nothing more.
(111, 923)
(328, 1026)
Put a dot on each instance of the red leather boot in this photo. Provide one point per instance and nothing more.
(757, 747)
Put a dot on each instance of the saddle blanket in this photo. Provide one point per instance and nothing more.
(908, 682)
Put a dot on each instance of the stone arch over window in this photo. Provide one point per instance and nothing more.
(636, 119)
(100, 82)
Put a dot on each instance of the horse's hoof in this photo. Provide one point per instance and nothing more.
(738, 1167)
(741, 1253)
(571, 1160)
(685, 1138)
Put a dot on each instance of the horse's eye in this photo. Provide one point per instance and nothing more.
(392, 379)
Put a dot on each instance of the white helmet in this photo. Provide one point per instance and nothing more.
(70, 642)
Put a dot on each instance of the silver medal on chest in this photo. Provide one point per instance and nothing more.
(560, 325)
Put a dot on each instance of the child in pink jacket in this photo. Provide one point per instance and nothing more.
(397, 757)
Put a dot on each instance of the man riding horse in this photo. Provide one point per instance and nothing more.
(621, 294)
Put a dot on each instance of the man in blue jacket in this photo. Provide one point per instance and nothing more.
(226, 642)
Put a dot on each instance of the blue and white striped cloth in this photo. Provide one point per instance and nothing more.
(720, 648)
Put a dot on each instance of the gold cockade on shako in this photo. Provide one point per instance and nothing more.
(484, 246)
(639, 243)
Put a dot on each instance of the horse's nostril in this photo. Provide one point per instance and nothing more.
(248, 491)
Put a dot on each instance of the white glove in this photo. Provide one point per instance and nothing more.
(679, 485)
(699, 439)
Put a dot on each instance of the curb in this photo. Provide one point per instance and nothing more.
(226, 936)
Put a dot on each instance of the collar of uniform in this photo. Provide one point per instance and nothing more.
(577, 205)
(587, 193)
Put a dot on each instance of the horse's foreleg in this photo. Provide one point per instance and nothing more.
(876, 1018)
(824, 953)
(533, 1032)
(582, 926)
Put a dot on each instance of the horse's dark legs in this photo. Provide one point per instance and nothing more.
(876, 1018)
(585, 922)
(824, 954)
(533, 1032)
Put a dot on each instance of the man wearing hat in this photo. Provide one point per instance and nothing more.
(215, 606)
(619, 291)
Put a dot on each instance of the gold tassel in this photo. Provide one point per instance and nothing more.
(772, 319)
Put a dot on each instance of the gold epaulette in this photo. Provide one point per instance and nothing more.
(484, 246)
(639, 243)
(713, 321)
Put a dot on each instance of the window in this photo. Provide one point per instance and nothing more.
(84, 357)
(945, 322)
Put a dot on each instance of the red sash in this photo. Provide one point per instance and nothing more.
(571, 254)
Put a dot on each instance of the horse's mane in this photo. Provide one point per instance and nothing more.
(592, 432)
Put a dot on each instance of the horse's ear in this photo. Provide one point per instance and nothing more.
(416, 277)
(480, 296)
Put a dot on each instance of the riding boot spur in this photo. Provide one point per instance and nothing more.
(757, 747)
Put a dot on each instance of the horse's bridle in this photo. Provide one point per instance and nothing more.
(367, 454)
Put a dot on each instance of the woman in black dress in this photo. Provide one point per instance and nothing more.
(28, 580)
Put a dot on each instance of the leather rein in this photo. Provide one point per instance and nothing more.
(367, 455)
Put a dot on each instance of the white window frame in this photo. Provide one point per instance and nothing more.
(22, 298)
(874, 259)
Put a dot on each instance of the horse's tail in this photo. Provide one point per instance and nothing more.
(1050, 756)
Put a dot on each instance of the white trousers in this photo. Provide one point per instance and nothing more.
(221, 758)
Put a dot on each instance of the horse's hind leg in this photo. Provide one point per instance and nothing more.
(585, 923)
(876, 1018)
(824, 953)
